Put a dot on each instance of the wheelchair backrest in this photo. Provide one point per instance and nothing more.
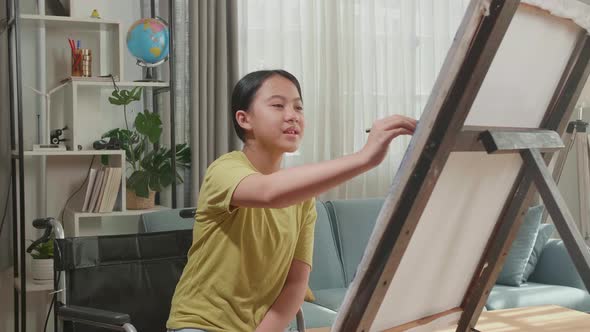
(134, 274)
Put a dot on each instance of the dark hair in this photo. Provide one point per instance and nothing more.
(246, 89)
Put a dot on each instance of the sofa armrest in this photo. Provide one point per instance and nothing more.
(555, 267)
(92, 316)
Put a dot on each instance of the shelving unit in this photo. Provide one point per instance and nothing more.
(69, 153)
(44, 180)
(66, 22)
(79, 104)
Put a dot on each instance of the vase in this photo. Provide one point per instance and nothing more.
(42, 271)
(135, 202)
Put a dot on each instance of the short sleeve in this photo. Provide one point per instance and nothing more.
(304, 247)
(221, 180)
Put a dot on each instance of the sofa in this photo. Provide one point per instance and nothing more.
(342, 231)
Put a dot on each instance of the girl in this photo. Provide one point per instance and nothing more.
(249, 265)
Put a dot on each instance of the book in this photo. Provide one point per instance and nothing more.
(89, 186)
(96, 190)
(105, 179)
(113, 189)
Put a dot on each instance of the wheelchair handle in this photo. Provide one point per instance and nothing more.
(50, 225)
(187, 213)
(42, 223)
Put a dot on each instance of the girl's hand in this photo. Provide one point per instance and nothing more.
(382, 133)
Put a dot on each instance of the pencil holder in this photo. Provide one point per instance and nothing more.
(82, 62)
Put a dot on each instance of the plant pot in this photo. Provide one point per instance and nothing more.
(42, 271)
(135, 202)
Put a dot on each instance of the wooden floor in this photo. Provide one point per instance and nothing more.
(528, 319)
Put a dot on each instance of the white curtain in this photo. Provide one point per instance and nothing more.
(357, 61)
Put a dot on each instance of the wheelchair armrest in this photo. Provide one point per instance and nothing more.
(90, 315)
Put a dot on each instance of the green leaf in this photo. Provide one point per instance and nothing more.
(125, 97)
(139, 149)
(115, 101)
(155, 182)
(139, 182)
(179, 178)
(183, 155)
(127, 138)
(104, 159)
(43, 250)
(166, 175)
(150, 125)
(110, 133)
(136, 92)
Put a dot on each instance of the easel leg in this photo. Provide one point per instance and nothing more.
(584, 184)
(562, 218)
(558, 162)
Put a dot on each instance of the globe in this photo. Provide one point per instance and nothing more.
(148, 40)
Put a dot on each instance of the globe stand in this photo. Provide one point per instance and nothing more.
(149, 70)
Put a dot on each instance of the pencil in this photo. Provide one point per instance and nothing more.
(368, 130)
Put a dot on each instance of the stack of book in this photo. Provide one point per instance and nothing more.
(102, 189)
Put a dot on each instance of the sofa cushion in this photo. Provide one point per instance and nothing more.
(556, 267)
(330, 298)
(534, 294)
(545, 231)
(354, 219)
(327, 268)
(518, 257)
(315, 316)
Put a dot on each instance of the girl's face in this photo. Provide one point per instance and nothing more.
(275, 118)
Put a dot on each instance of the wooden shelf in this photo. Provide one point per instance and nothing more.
(71, 153)
(109, 84)
(78, 214)
(91, 224)
(71, 23)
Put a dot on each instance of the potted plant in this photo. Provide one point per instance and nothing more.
(149, 162)
(42, 262)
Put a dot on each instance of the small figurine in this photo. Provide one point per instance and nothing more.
(95, 14)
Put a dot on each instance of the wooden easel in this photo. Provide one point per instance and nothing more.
(440, 132)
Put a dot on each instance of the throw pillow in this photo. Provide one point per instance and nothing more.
(309, 297)
(545, 231)
(518, 257)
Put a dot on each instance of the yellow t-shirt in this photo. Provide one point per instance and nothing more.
(240, 257)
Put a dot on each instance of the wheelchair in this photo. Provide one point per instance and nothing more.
(118, 282)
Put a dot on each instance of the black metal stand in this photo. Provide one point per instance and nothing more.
(172, 62)
(16, 139)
